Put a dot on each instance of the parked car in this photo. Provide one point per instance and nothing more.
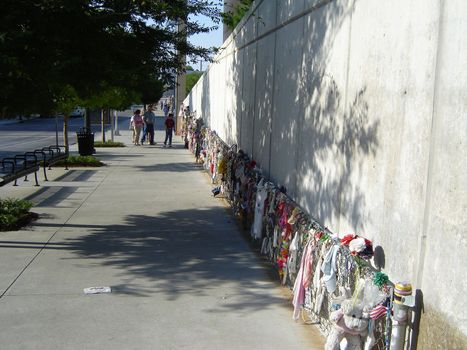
(135, 107)
(77, 112)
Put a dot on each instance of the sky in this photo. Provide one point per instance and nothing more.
(213, 38)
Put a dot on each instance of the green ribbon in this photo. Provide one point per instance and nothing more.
(380, 279)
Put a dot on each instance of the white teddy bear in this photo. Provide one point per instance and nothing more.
(349, 323)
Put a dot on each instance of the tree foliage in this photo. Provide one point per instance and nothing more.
(191, 80)
(56, 54)
(232, 18)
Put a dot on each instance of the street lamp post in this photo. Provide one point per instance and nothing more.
(180, 83)
(117, 133)
(112, 125)
(56, 130)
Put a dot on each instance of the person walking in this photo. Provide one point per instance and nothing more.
(136, 123)
(149, 119)
(143, 130)
(166, 109)
(169, 127)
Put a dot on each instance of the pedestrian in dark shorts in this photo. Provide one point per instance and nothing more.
(149, 118)
(169, 127)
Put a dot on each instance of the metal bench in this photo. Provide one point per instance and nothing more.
(13, 168)
(51, 155)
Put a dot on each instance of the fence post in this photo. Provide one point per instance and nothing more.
(402, 290)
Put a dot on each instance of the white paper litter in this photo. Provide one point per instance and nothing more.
(97, 290)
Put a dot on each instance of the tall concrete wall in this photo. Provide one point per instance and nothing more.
(359, 108)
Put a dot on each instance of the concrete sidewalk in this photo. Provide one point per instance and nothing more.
(182, 276)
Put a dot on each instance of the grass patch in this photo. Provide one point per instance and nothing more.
(14, 214)
(108, 144)
(81, 161)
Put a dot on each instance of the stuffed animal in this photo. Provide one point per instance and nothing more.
(350, 323)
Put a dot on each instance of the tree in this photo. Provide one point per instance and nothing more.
(55, 53)
(232, 18)
(191, 80)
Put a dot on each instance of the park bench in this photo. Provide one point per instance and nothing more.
(13, 168)
(51, 155)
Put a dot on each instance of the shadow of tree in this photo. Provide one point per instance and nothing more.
(337, 142)
(178, 252)
(288, 104)
(172, 167)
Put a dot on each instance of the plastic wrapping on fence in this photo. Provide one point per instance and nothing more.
(331, 279)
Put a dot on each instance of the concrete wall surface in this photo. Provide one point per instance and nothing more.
(359, 108)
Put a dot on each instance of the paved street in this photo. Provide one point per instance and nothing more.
(31, 134)
(146, 225)
(34, 134)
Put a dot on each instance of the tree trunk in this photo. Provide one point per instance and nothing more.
(112, 123)
(65, 131)
(87, 119)
(103, 125)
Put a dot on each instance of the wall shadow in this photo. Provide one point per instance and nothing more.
(379, 259)
(414, 325)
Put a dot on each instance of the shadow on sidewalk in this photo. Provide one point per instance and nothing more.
(172, 167)
(195, 251)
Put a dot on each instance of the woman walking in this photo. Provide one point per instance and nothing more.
(136, 123)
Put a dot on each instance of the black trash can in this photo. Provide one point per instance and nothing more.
(85, 142)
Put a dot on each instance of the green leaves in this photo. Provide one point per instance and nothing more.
(57, 54)
(191, 79)
(108, 144)
(13, 212)
(78, 161)
(232, 18)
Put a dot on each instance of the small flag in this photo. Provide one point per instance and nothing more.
(378, 311)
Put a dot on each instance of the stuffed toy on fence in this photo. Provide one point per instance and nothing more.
(349, 322)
